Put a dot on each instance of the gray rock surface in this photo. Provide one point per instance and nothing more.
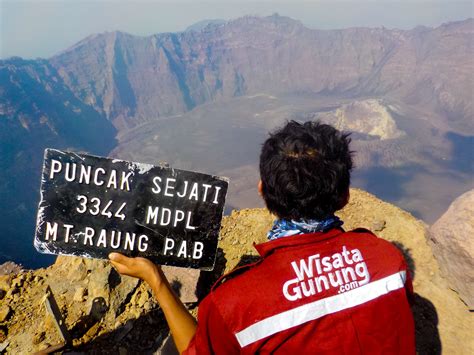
(452, 241)
(10, 268)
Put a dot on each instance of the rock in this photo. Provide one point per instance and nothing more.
(17, 283)
(79, 294)
(5, 282)
(123, 331)
(3, 334)
(167, 348)
(4, 313)
(148, 306)
(452, 242)
(37, 279)
(4, 345)
(9, 268)
(144, 296)
(183, 281)
(78, 273)
(371, 117)
(99, 285)
(39, 338)
(136, 312)
(378, 225)
(115, 301)
(123, 289)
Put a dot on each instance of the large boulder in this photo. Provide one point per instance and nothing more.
(451, 239)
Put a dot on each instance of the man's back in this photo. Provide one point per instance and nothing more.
(317, 289)
(334, 292)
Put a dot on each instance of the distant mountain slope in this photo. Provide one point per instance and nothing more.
(37, 111)
(398, 156)
(199, 26)
(133, 79)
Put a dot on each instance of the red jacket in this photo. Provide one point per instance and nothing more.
(323, 293)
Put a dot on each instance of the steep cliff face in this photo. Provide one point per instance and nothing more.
(131, 79)
(106, 313)
(37, 110)
(37, 104)
(421, 70)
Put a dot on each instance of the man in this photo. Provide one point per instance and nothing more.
(316, 287)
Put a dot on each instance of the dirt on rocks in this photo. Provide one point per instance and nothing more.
(107, 313)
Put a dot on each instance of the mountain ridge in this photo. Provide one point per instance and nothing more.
(193, 66)
(420, 28)
(117, 82)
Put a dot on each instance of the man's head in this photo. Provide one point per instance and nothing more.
(305, 170)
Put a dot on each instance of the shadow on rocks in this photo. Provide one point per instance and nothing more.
(248, 259)
(427, 337)
(149, 333)
(426, 327)
(208, 278)
(145, 335)
(97, 312)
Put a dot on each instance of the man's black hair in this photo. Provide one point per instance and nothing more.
(305, 170)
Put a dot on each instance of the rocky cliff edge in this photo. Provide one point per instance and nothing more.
(103, 312)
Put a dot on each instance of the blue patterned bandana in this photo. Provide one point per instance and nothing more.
(287, 228)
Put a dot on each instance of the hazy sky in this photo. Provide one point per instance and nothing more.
(36, 28)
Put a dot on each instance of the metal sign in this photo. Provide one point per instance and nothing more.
(91, 206)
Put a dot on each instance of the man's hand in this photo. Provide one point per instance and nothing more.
(138, 267)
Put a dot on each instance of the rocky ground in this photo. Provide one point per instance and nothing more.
(106, 313)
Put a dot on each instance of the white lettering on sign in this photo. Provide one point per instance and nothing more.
(198, 248)
(51, 231)
(344, 271)
(183, 193)
(142, 242)
(197, 192)
(125, 181)
(95, 207)
(165, 217)
(56, 167)
(169, 186)
(83, 206)
(112, 183)
(180, 249)
(88, 234)
(129, 241)
(70, 175)
(68, 228)
(101, 238)
(96, 176)
(157, 188)
(86, 174)
(169, 245)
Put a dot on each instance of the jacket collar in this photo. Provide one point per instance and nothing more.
(264, 249)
